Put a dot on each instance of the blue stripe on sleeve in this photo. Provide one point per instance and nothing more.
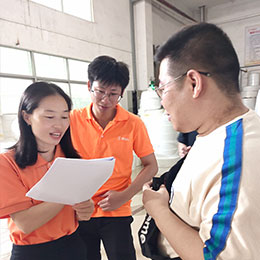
(231, 174)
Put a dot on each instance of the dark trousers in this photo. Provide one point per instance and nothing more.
(115, 233)
(65, 248)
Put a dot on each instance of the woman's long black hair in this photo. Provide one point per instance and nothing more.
(26, 151)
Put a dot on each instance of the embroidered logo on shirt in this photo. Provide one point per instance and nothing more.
(123, 138)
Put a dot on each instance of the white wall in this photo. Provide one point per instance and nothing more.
(144, 43)
(43, 29)
(164, 25)
(28, 25)
(233, 18)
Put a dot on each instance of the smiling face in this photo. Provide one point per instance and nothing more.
(49, 121)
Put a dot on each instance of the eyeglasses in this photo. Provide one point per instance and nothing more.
(99, 94)
(160, 90)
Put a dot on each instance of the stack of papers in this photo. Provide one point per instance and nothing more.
(70, 181)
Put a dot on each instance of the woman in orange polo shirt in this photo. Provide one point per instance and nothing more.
(40, 230)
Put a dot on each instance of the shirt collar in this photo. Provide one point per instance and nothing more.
(40, 161)
(121, 113)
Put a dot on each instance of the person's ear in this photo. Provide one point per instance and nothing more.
(122, 92)
(196, 82)
(26, 117)
(89, 86)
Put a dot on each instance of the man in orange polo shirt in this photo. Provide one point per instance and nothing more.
(105, 129)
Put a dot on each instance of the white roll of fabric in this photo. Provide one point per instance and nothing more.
(1, 128)
(248, 95)
(257, 104)
(162, 135)
(149, 101)
(254, 78)
(167, 137)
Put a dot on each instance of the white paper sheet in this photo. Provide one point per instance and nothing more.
(70, 181)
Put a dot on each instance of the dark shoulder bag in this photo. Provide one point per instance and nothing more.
(148, 233)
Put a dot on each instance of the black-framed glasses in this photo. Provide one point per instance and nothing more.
(100, 94)
(160, 90)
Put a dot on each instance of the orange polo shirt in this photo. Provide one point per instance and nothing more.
(14, 184)
(123, 135)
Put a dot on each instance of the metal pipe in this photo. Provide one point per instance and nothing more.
(132, 31)
(170, 6)
(202, 13)
(237, 19)
(168, 12)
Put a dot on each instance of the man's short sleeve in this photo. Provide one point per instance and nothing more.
(142, 143)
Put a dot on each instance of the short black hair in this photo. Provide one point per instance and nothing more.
(26, 151)
(108, 71)
(204, 47)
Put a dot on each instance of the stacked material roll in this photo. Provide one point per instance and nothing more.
(254, 78)
(162, 135)
(149, 101)
(257, 106)
(249, 93)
